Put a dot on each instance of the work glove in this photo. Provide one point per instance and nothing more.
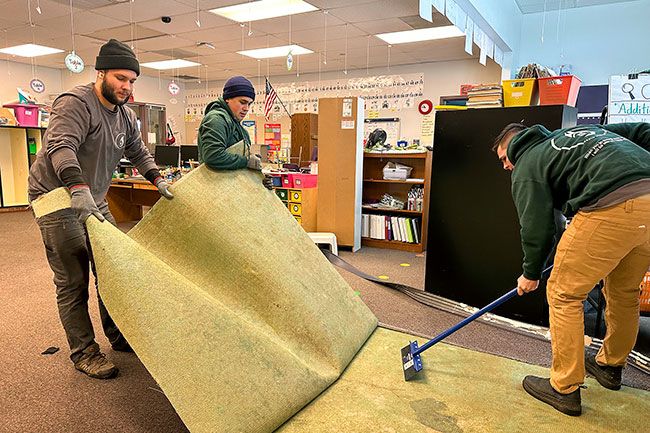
(267, 181)
(83, 203)
(255, 162)
(163, 188)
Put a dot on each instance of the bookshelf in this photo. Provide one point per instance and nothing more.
(374, 187)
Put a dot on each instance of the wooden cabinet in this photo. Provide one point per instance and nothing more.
(304, 136)
(340, 166)
(374, 187)
(302, 205)
(18, 148)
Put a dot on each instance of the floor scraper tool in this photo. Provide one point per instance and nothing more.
(411, 360)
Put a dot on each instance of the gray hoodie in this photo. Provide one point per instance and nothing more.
(97, 136)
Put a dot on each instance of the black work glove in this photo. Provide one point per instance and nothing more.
(255, 162)
(83, 203)
(267, 181)
(163, 188)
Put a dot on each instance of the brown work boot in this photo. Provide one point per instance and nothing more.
(94, 364)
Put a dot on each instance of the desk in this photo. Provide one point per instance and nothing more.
(127, 196)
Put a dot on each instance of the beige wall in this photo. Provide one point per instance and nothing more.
(147, 89)
(440, 79)
(13, 74)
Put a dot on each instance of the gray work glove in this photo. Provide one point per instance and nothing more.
(83, 203)
(267, 182)
(163, 188)
(255, 162)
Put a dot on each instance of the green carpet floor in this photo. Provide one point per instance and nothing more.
(459, 390)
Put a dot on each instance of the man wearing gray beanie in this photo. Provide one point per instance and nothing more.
(223, 143)
(90, 129)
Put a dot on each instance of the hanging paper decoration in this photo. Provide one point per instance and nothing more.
(74, 63)
(37, 85)
(173, 88)
(289, 61)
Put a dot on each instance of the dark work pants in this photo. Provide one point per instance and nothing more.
(69, 255)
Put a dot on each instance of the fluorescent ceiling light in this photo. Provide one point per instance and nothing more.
(266, 53)
(30, 50)
(169, 64)
(262, 9)
(421, 35)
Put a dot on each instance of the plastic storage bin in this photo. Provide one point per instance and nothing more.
(561, 90)
(303, 180)
(26, 114)
(520, 93)
(396, 171)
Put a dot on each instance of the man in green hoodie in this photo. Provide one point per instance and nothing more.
(600, 177)
(223, 143)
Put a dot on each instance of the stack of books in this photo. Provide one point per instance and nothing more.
(391, 228)
(485, 96)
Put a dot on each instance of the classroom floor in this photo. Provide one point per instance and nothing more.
(44, 393)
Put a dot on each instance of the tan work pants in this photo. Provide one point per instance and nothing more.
(611, 244)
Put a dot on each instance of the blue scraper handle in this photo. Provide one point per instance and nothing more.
(411, 360)
(471, 318)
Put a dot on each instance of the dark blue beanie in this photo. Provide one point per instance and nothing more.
(238, 86)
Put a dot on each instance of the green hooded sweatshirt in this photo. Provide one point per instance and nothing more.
(569, 169)
(218, 131)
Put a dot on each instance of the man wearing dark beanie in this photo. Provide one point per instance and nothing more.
(90, 129)
(223, 143)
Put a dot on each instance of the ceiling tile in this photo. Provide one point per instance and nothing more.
(376, 10)
(144, 10)
(184, 23)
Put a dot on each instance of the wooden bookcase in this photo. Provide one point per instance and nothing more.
(374, 187)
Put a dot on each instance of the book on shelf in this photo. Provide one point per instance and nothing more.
(391, 228)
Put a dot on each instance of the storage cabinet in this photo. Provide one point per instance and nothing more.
(374, 187)
(18, 148)
(340, 167)
(302, 205)
(474, 249)
(304, 136)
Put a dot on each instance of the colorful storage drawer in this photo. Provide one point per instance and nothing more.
(295, 208)
(295, 195)
(282, 193)
(287, 181)
(302, 180)
(299, 219)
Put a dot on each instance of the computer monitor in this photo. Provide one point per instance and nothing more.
(189, 151)
(167, 156)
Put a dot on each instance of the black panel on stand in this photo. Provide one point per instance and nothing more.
(473, 250)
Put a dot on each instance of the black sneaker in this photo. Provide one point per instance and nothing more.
(542, 390)
(609, 377)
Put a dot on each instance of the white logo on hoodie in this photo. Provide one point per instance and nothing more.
(120, 140)
(587, 134)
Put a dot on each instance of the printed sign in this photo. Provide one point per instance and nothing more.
(425, 107)
(173, 88)
(629, 98)
(37, 85)
(74, 63)
(387, 92)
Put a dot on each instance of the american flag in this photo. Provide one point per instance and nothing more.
(271, 96)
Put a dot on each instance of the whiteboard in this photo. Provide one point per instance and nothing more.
(391, 125)
(629, 99)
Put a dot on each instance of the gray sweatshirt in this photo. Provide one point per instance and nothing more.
(85, 134)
